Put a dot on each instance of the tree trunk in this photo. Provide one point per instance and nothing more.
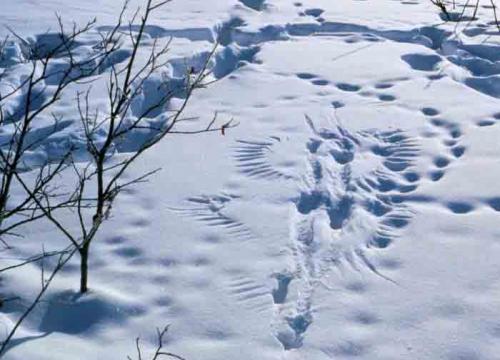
(84, 268)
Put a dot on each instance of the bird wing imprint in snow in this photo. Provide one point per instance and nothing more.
(210, 210)
(354, 198)
(254, 159)
(344, 207)
(346, 203)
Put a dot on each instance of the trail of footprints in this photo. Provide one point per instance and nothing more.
(230, 58)
(451, 135)
(379, 91)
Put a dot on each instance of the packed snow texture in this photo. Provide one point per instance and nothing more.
(353, 213)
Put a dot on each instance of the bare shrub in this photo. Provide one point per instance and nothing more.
(448, 12)
(93, 164)
(159, 352)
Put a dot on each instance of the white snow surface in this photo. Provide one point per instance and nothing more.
(353, 213)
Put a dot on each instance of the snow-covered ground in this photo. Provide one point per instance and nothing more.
(353, 213)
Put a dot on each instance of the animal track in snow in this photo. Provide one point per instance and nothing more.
(451, 134)
(485, 122)
(480, 60)
(344, 208)
(257, 5)
(337, 104)
(383, 85)
(495, 118)
(313, 79)
(260, 159)
(210, 210)
(348, 87)
(280, 293)
(428, 111)
(422, 62)
(355, 198)
(353, 201)
(249, 293)
(348, 171)
(314, 12)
